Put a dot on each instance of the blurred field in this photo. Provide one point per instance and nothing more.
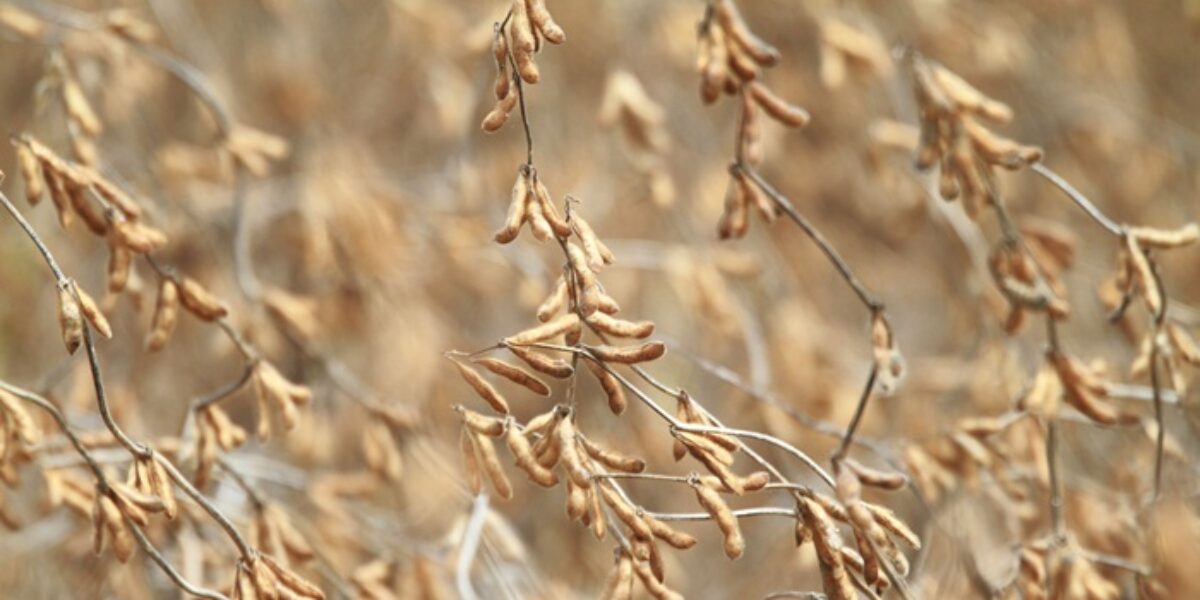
(379, 222)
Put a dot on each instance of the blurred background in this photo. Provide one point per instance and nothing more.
(379, 223)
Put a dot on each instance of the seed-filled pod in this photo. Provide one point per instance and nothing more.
(629, 354)
(888, 480)
(498, 116)
(160, 485)
(120, 261)
(470, 461)
(541, 363)
(597, 253)
(712, 503)
(70, 320)
(569, 453)
(500, 53)
(481, 386)
(750, 483)
(828, 544)
(92, 312)
(653, 586)
(272, 387)
(78, 108)
(889, 521)
(554, 302)
(480, 423)
(138, 237)
(524, 41)
(515, 374)
(612, 387)
(620, 582)
(577, 501)
(542, 196)
(734, 220)
(779, 109)
(517, 212)
(549, 329)
(492, 467)
(1139, 264)
(613, 459)
(522, 451)
(668, 534)
(165, 316)
(620, 327)
(540, 17)
(732, 22)
(626, 513)
(199, 301)
(31, 172)
(966, 97)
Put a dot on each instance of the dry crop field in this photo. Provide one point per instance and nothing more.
(400, 299)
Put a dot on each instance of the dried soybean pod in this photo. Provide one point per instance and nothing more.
(481, 424)
(888, 480)
(554, 302)
(653, 586)
(613, 459)
(92, 312)
(481, 386)
(541, 363)
(31, 172)
(598, 254)
(522, 451)
(498, 116)
(492, 466)
(620, 327)
(569, 452)
(120, 260)
(778, 108)
(545, 23)
(561, 228)
(666, 533)
(470, 461)
(166, 311)
(138, 237)
(712, 503)
(517, 212)
(500, 53)
(626, 513)
(620, 582)
(544, 331)
(515, 374)
(70, 321)
(630, 354)
(731, 20)
(734, 222)
(199, 301)
(612, 388)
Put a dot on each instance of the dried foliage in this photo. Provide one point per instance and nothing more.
(325, 339)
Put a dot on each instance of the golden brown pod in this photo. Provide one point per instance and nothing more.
(31, 173)
(620, 327)
(610, 385)
(138, 237)
(554, 302)
(481, 386)
(522, 451)
(92, 312)
(492, 467)
(70, 320)
(543, 364)
(199, 301)
(547, 330)
(712, 503)
(540, 17)
(515, 374)
(779, 109)
(629, 354)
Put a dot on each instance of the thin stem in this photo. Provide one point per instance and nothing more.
(762, 437)
(1076, 196)
(134, 448)
(37, 240)
(868, 300)
(166, 566)
(765, 511)
(243, 546)
(1161, 435)
(863, 399)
